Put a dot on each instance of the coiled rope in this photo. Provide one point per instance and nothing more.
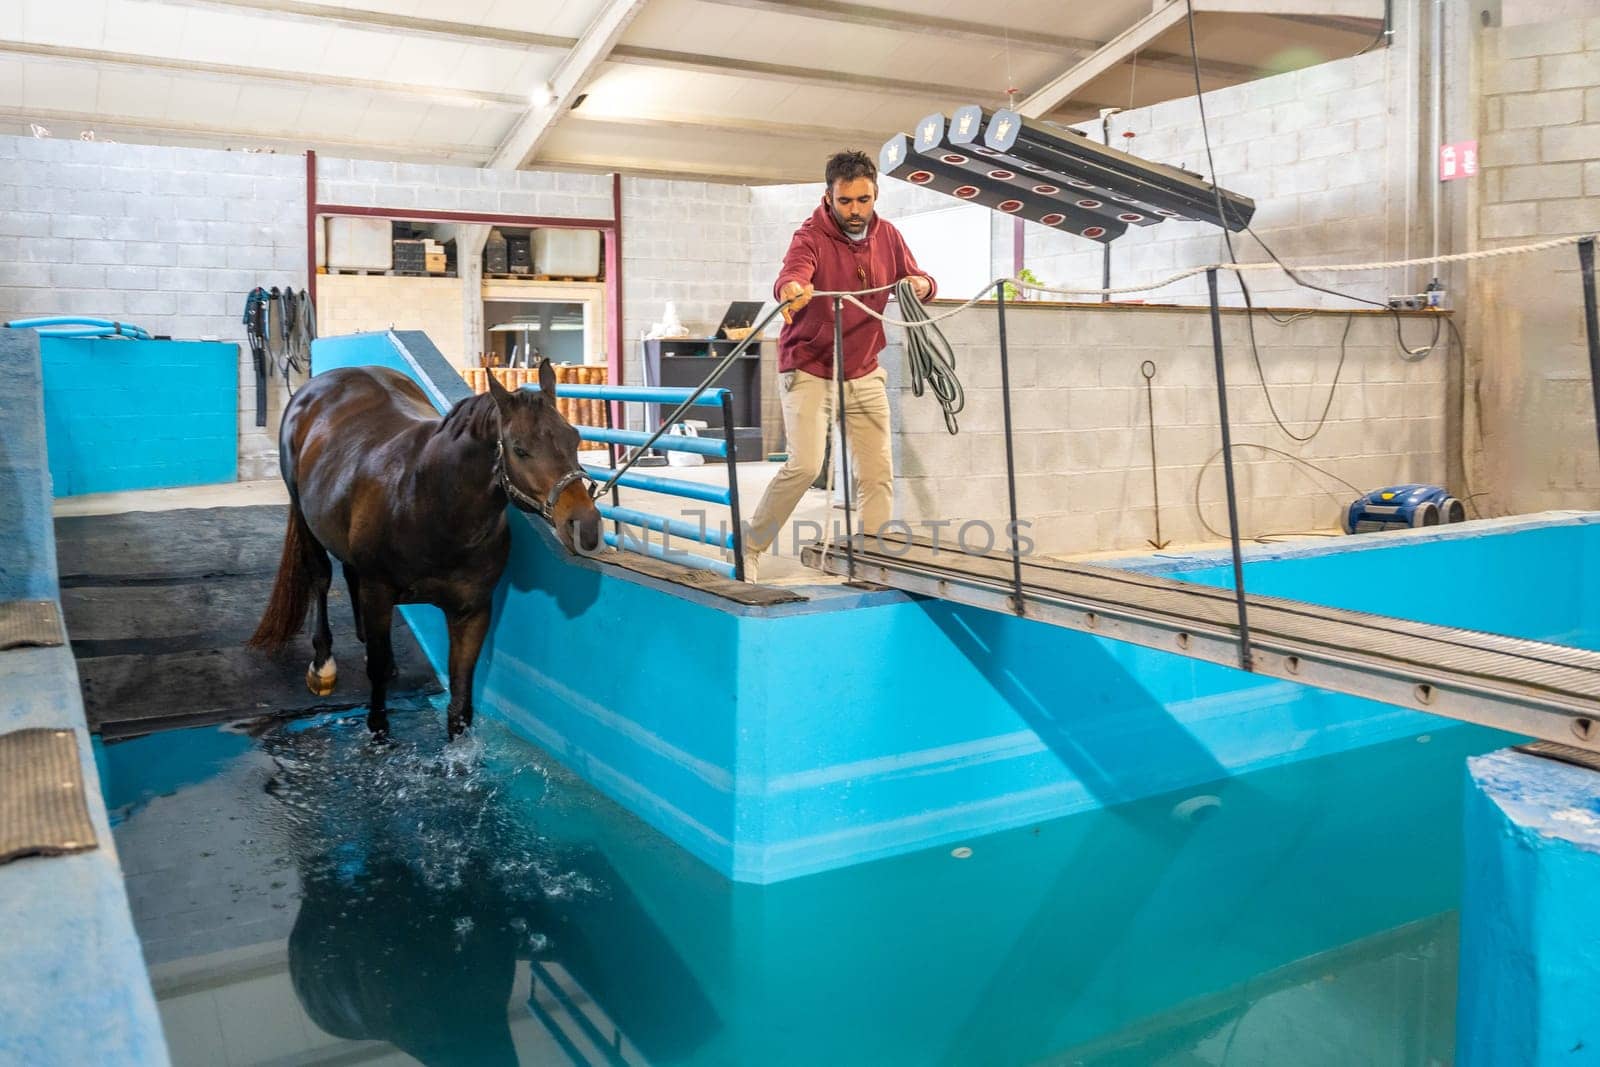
(929, 357)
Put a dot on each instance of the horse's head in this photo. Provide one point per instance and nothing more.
(539, 461)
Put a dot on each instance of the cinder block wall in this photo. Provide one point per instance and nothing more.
(1082, 430)
(357, 303)
(687, 242)
(1530, 417)
(1322, 151)
(169, 238)
(173, 238)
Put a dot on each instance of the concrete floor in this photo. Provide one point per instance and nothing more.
(781, 567)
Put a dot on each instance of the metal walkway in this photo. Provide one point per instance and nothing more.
(1535, 688)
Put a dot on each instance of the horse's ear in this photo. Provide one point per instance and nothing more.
(497, 390)
(547, 381)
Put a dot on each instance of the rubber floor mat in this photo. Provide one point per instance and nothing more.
(42, 809)
(29, 624)
(158, 607)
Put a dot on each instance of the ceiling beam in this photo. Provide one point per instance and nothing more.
(913, 22)
(1365, 27)
(470, 98)
(745, 68)
(1316, 9)
(380, 22)
(649, 168)
(522, 143)
(1119, 48)
(233, 137)
(726, 124)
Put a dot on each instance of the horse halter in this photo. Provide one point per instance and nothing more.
(546, 508)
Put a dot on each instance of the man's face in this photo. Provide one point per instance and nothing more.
(851, 203)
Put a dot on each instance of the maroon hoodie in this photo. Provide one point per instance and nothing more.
(822, 255)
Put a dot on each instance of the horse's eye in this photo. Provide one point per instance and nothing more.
(519, 451)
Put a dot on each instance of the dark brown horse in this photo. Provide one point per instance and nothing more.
(414, 508)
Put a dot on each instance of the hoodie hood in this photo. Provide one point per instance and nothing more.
(822, 222)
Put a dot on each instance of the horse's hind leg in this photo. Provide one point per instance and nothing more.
(467, 632)
(323, 672)
(352, 579)
(377, 611)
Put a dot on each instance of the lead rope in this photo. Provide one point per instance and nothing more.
(932, 365)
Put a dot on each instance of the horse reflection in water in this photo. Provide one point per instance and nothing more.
(424, 884)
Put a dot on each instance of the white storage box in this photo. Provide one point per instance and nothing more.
(572, 253)
(360, 244)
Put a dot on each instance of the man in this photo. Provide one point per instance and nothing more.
(842, 247)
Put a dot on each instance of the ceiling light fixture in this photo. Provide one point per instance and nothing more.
(541, 95)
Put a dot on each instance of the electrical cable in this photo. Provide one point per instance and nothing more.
(1200, 477)
(929, 357)
(1244, 289)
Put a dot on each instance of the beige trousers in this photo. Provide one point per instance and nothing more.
(807, 419)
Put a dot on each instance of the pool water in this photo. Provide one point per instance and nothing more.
(305, 896)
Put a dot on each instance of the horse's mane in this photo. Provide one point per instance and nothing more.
(476, 417)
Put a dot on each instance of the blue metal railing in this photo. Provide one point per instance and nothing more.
(669, 528)
(80, 327)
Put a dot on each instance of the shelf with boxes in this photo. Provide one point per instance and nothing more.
(685, 363)
(371, 246)
(543, 254)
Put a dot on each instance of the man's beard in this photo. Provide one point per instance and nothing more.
(844, 223)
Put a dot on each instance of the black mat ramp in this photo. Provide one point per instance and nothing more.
(159, 605)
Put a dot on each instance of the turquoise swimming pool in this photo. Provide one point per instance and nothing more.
(303, 896)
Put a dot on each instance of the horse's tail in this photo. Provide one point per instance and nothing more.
(291, 592)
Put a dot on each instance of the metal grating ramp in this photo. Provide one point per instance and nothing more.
(1543, 690)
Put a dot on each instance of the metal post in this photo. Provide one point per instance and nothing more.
(1227, 471)
(1591, 321)
(1011, 461)
(613, 451)
(844, 444)
(733, 485)
(1148, 370)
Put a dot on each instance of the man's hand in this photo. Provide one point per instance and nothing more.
(800, 294)
(920, 285)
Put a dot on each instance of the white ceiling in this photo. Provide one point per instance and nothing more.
(749, 90)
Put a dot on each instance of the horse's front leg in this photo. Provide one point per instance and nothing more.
(377, 611)
(467, 631)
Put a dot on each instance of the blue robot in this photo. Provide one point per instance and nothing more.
(1401, 506)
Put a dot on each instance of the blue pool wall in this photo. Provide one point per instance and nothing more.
(73, 987)
(1537, 577)
(1530, 927)
(778, 742)
(122, 414)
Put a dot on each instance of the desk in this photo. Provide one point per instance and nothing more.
(683, 363)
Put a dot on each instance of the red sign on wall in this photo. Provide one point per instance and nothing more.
(1458, 160)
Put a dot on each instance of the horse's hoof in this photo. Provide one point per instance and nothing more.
(321, 682)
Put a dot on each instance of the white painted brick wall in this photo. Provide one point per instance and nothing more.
(1528, 372)
(169, 238)
(1312, 148)
(1082, 430)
